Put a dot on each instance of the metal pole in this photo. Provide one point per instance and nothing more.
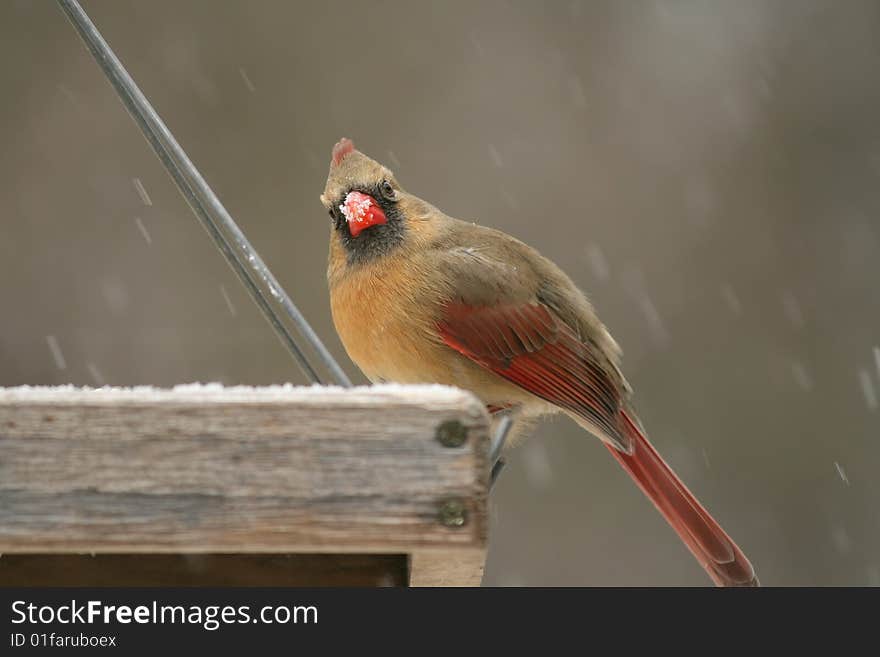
(497, 445)
(202, 200)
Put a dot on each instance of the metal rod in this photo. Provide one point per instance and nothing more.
(497, 445)
(203, 201)
(497, 467)
(500, 436)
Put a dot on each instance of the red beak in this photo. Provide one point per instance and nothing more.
(361, 211)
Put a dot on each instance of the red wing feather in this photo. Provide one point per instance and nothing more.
(529, 346)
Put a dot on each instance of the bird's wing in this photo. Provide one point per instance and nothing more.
(517, 330)
(524, 341)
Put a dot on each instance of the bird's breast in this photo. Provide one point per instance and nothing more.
(386, 318)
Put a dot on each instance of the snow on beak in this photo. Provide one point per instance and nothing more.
(361, 211)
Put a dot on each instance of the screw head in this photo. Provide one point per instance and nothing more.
(451, 433)
(452, 513)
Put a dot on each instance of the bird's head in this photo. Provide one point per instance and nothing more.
(365, 202)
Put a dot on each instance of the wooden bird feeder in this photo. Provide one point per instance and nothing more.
(276, 486)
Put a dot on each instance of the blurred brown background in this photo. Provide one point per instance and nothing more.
(709, 172)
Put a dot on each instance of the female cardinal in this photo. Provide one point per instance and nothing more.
(420, 297)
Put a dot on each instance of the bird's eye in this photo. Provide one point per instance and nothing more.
(387, 190)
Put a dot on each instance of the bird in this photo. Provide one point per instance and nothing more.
(417, 296)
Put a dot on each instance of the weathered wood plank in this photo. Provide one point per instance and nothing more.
(210, 469)
(461, 567)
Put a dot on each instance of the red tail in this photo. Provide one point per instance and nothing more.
(713, 548)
